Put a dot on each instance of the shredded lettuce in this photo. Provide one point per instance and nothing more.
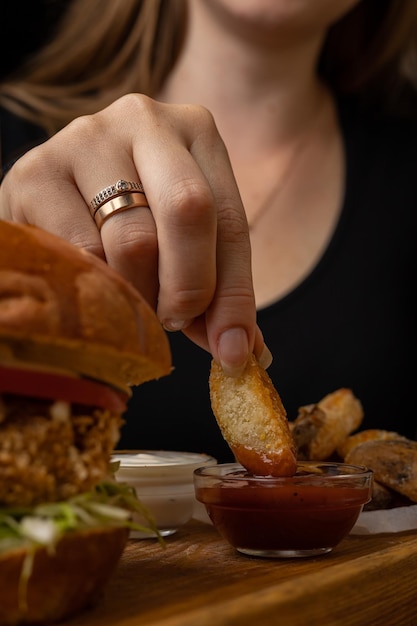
(110, 503)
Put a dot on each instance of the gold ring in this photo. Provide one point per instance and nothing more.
(118, 189)
(120, 203)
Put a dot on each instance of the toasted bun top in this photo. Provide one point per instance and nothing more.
(64, 308)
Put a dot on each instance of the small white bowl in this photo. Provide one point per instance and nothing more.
(163, 481)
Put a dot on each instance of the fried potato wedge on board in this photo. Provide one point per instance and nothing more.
(371, 434)
(319, 429)
(253, 420)
(382, 497)
(393, 461)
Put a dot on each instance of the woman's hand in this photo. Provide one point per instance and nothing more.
(189, 253)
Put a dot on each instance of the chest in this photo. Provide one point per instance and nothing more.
(291, 231)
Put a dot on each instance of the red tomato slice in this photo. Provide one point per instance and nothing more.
(39, 384)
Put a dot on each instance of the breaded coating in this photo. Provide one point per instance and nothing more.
(321, 428)
(393, 461)
(47, 455)
(371, 434)
(253, 420)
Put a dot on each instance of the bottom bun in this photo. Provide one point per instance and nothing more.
(63, 582)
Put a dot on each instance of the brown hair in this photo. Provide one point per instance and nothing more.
(101, 50)
(106, 48)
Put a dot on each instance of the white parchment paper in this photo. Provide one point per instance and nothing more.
(386, 521)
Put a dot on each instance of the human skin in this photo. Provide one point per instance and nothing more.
(190, 253)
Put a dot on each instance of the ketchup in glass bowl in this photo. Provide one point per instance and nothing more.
(307, 514)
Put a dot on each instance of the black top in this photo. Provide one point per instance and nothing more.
(350, 323)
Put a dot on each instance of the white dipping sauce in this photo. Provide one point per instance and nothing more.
(163, 481)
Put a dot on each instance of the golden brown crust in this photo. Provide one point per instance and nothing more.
(371, 434)
(320, 428)
(393, 461)
(253, 420)
(62, 583)
(43, 459)
(63, 306)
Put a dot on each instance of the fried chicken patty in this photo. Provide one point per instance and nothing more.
(52, 451)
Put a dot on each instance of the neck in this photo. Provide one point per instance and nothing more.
(270, 80)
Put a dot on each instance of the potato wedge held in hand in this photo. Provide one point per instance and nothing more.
(253, 420)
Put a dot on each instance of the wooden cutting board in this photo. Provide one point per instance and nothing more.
(199, 580)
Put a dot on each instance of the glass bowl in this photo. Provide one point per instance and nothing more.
(163, 481)
(307, 514)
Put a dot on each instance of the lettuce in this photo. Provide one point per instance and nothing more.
(110, 503)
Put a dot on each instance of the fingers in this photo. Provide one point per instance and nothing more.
(40, 189)
(188, 253)
(131, 244)
(184, 209)
(230, 320)
(198, 211)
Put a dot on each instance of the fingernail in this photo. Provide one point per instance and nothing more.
(266, 357)
(174, 325)
(233, 351)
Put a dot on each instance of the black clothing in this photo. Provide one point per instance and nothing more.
(17, 136)
(350, 323)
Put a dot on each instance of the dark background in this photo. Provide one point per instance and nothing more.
(24, 26)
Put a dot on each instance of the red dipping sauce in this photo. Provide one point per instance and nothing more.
(304, 515)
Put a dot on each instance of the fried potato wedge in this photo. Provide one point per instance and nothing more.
(393, 461)
(253, 420)
(370, 434)
(319, 429)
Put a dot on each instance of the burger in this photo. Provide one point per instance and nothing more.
(74, 338)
